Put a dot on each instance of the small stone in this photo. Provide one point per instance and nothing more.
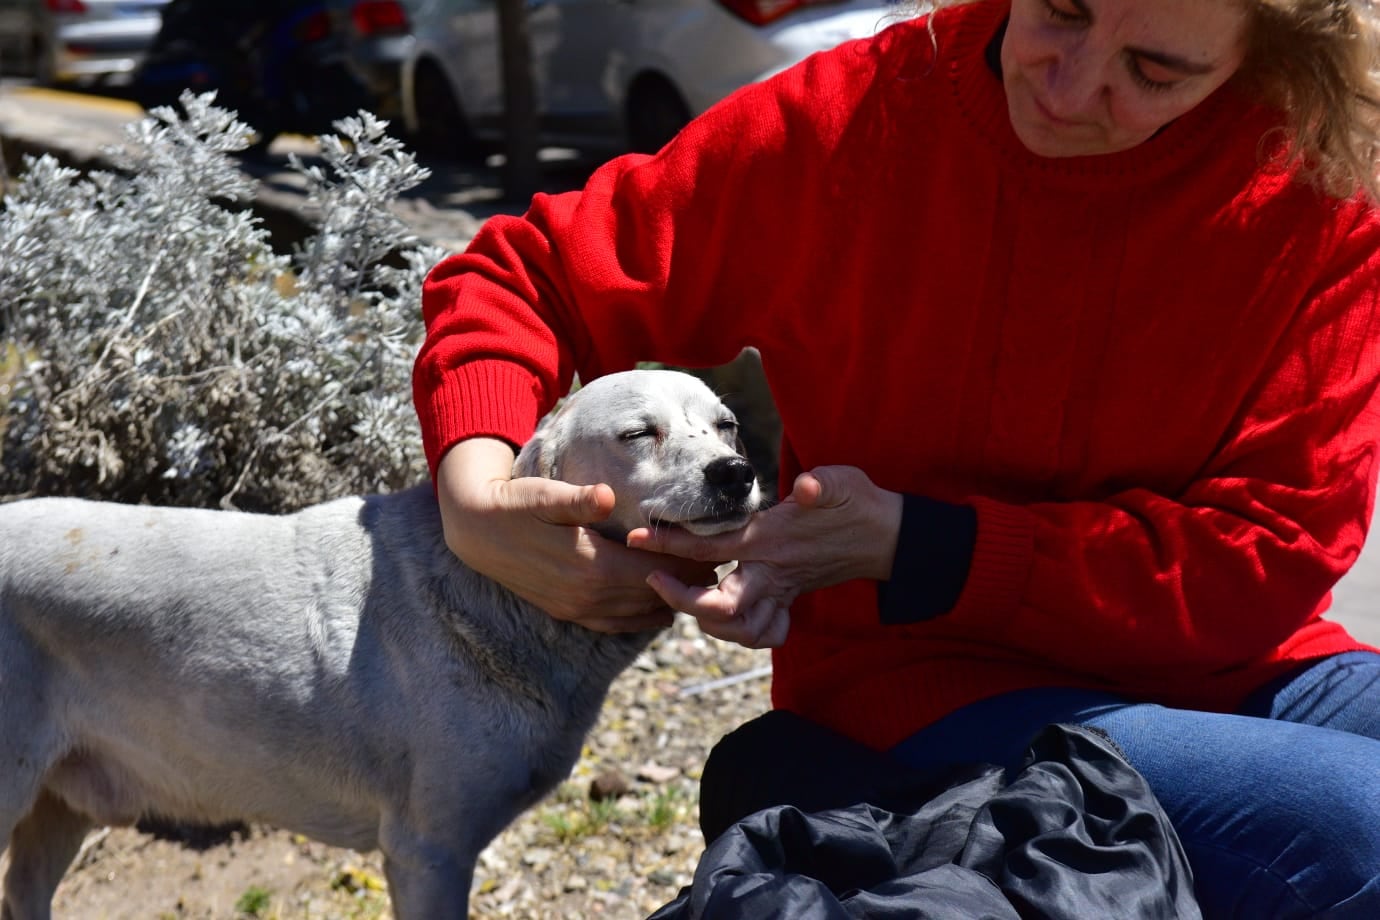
(508, 891)
(610, 784)
(492, 860)
(664, 877)
(537, 857)
(653, 772)
(602, 864)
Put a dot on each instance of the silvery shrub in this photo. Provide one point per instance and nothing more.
(158, 349)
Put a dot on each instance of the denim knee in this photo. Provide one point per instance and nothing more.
(1340, 691)
(1279, 819)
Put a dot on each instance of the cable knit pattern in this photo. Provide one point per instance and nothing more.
(1151, 373)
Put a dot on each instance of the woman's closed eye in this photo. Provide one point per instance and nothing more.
(1065, 12)
(1150, 75)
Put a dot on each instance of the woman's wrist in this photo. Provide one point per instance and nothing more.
(881, 543)
(474, 461)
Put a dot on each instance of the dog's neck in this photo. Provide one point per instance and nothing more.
(536, 658)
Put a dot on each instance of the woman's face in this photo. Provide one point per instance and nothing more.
(1086, 77)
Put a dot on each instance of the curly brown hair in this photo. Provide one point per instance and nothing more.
(1318, 63)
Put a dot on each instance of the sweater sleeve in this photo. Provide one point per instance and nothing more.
(1142, 583)
(934, 552)
(667, 258)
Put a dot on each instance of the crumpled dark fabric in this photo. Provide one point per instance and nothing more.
(1074, 833)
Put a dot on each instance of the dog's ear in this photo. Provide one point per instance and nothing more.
(534, 460)
(539, 455)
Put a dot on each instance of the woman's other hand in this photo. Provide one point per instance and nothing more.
(835, 526)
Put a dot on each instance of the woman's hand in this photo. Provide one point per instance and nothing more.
(526, 534)
(835, 526)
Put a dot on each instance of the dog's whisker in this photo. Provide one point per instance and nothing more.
(655, 513)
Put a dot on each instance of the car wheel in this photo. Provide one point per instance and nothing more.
(656, 112)
(442, 129)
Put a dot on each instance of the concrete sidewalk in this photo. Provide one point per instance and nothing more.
(1356, 602)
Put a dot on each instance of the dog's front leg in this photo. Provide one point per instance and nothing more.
(426, 879)
(41, 848)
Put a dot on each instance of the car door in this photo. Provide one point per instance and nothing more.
(576, 47)
(468, 44)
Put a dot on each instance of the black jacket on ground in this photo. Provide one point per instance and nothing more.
(807, 825)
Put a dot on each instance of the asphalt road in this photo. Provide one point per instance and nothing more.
(447, 211)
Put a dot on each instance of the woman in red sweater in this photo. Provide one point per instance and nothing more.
(1071, 311)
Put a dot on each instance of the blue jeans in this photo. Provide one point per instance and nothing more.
(1278, 805)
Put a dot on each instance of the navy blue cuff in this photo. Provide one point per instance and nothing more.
(933, 554)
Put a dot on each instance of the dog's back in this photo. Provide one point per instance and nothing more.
(178, 650)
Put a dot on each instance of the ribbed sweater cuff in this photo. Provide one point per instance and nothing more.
(495, 399)
(1002, 557)
(934, 551)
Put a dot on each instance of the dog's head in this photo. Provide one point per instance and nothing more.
(662, 440)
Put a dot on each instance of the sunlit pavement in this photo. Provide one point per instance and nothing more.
(1356, 601)
(80, 124)
(76, 124)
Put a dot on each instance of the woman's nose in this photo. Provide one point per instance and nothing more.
(1075, 84)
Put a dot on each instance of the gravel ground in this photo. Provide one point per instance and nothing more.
(572, 856)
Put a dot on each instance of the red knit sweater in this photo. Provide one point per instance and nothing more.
(1151, 373)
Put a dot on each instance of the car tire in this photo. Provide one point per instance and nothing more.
(655, 113)
(442, 129)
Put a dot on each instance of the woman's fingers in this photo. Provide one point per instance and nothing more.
(694, 600)
(764, 625)
(778, 628)
(609, 591)
(677, 542)
(741, 609)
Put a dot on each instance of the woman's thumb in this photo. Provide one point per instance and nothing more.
(569, 504)
(822, 487)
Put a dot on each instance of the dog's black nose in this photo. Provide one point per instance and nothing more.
(731, 476)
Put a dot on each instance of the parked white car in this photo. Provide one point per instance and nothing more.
(611, 75)
(70, 41)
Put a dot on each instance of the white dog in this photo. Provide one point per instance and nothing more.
(335, 672)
